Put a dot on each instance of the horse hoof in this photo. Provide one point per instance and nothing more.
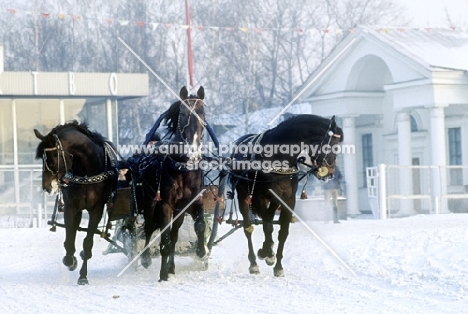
(83, 281)
(146, 261)
(271, 260)
(205, 265)
(163, 278)
(278, 272)
(254, 270)
(70, 262)
(203, 255)
(84, 256)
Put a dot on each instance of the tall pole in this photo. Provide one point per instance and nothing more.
(189, 44)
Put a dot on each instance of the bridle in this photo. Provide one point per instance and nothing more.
(181, 128)
(321, 169)
(60, 156)
(191, 112)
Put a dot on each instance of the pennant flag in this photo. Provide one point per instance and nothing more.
(75, 17)
(244, 29)
(124, 22)
(61, 16)
(154, 25)
(12, 11)
(46, 15)
(140, 23)
(168, 25)
(185, 26)
(199, 27)
(109, 21)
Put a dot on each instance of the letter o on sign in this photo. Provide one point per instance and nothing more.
(113, 84)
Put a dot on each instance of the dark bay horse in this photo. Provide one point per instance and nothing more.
(270, 160)
(82, 167)
(171, 180)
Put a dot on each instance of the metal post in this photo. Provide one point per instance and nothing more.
(39, 216)
(15, 156)
(383, 191)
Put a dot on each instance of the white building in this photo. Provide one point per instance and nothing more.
(42, 100)
(402, 97)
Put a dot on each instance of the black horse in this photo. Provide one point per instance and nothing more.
(171, 180)
(82, 167)
(270, 160)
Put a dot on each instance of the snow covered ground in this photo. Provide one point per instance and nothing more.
(408, 265)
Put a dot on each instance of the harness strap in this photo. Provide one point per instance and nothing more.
(69, 177)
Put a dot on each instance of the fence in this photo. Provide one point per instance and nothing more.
(398, 191)
(21, 193)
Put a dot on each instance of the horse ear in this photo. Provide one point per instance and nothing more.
(38, 134)
(183, 93)
(201, 93)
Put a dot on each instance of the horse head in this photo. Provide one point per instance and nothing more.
(56, 161)
(325, 161)
(191, 121)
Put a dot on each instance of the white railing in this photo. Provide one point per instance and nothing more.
(398, 191)
(21, 193)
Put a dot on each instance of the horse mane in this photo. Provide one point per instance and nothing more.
(171, 117)
(79, 126)
(302, 123)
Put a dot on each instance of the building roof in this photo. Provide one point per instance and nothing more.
(436, 49)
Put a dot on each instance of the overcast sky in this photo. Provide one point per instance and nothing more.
(432, 13)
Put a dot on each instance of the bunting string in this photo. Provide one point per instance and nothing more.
(155, 25)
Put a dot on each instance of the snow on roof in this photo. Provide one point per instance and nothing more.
(438, 49)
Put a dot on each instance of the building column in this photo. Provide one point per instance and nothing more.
(110, 131)
(438, 158)
(62, 111)
(405, 161)
(350, 167)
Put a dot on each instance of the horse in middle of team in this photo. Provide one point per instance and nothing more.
(171, 180)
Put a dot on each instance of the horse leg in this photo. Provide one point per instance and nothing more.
(248, 229)
(146, 255)
(200, 226)
(285, 219)
(174, 237)
(94, 218)
(266, 252)
(150, 209)
(165, 244)
(72, 221)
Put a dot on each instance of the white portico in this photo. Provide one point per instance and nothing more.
(402, 97)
